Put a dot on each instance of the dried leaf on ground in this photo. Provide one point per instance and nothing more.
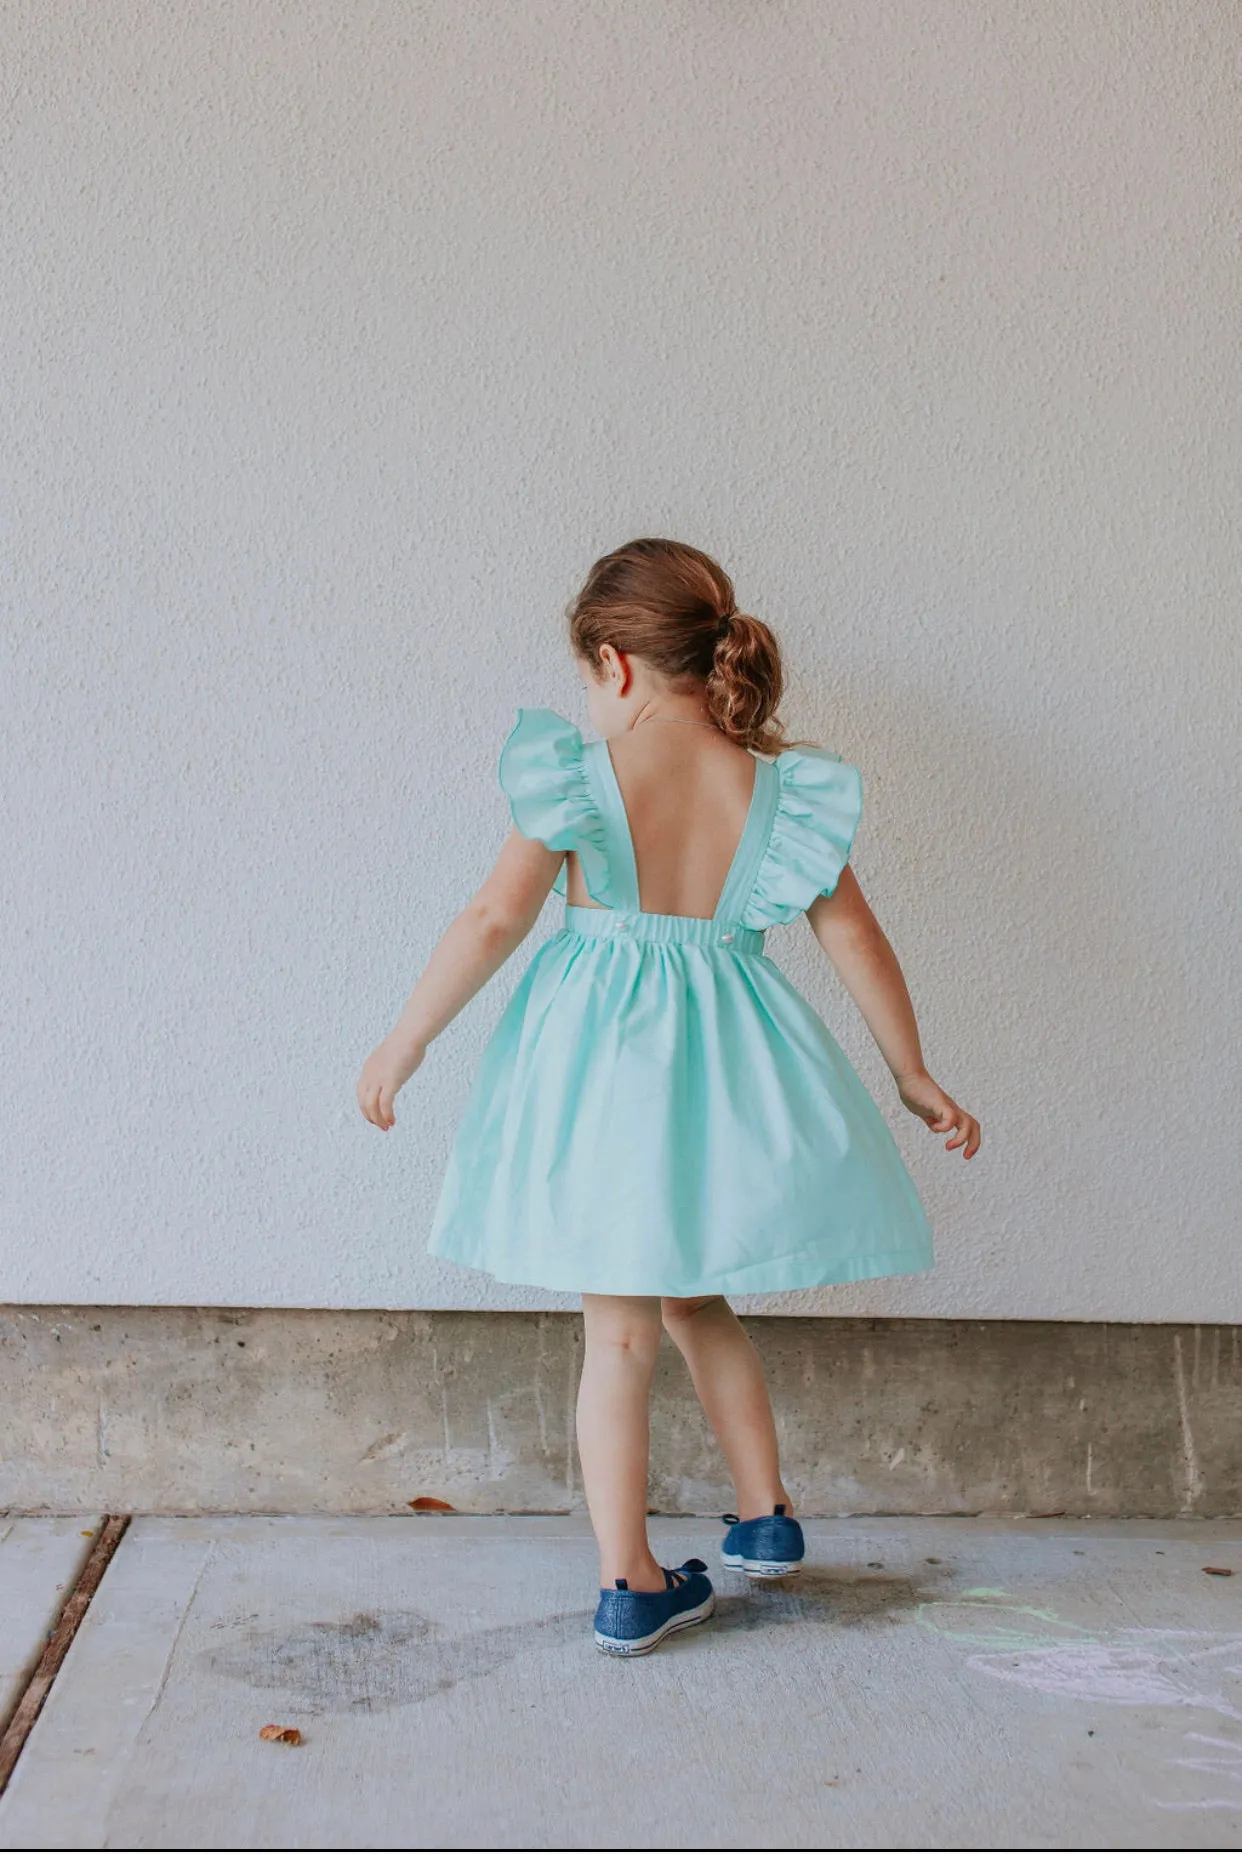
(281, 1734)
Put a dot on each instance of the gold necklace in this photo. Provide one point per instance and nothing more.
(678, 720)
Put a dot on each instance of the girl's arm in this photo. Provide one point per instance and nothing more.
(487, 931)
(858, 947)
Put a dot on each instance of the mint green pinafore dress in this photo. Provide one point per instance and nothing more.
(659, 1110)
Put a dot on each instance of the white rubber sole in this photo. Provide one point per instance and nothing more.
(760, 1567)
(643, 1644)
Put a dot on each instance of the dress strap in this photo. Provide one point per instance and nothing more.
(622, 867)
(752, 845)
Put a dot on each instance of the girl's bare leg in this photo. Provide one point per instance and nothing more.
(728, 1378)
(614, 1436)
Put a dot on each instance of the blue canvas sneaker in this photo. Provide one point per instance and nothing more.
(769, 1547)
(636, 1621)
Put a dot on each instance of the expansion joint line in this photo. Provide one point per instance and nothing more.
(20, 1723)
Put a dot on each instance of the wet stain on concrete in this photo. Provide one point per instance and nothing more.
(842, 1599)
(372, 1660)
(376, 1659)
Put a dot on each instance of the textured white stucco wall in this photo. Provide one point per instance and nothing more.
(340, 337)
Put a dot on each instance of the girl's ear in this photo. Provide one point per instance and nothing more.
(615, 669)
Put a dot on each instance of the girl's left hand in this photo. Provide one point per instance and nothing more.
(385, 1071)
(941, 1112)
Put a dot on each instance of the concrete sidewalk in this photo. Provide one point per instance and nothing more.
(925, 1684)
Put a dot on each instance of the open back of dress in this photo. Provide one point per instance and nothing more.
(686, 801)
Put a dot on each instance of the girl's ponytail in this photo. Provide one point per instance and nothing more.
(745, 684)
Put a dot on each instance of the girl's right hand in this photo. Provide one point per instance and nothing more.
(929, 1101)
(386, 1070)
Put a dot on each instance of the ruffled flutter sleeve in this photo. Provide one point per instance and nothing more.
(543, 775)
(819, 803)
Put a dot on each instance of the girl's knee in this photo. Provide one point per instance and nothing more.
(623, 1324)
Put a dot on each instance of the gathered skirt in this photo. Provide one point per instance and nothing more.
(671, 1118)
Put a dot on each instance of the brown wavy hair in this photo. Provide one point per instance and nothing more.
(673, 606)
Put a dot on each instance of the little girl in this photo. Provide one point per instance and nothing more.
(660, 1118)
